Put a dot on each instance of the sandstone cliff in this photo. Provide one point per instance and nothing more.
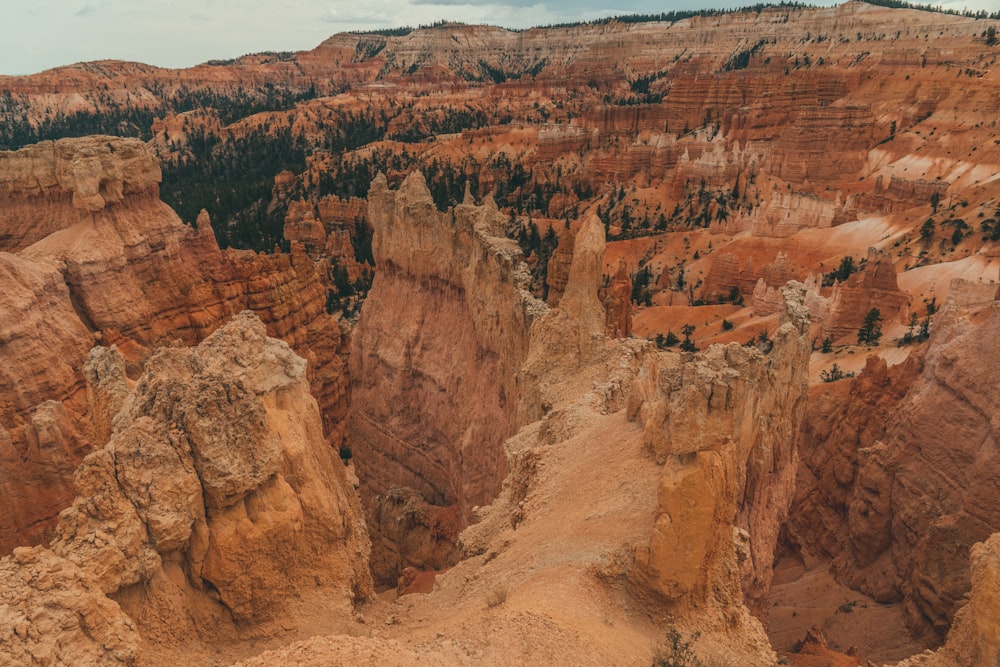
(435, 357)
(724, 425)
(217, 491)
(130, 274)
(71, 180)
(895, 483)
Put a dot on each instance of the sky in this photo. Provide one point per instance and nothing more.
(41, 34)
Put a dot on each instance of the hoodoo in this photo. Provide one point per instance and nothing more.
(663, 339)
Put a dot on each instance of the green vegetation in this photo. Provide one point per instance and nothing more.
(870, 332)
(641, 295)
(677, 651)
(687, 344)
(741, 59)
(917, 331)
(233, 180)
(835, 373)
(680, 15)
(670, 340)
(542, 247)
(346, 454)
(901, 4)
(842, 272)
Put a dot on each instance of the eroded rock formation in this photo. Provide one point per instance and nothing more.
(875, 287)
(974, 638)
(72, 179)
(128, 274)
(435, 358)
(217, 485)
(724, 425)
(897, 478)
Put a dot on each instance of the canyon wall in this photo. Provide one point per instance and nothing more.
(215, 497)
(130, 274)
(435, 357)
(974, 638)
(896, 482)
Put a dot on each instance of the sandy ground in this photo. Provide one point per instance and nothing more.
(801, 598)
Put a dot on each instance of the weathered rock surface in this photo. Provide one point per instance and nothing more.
(130, 275)
(896, 483)
(52, 613)
(724, 425)
(70, 180)
(974, 638)
(445, 328)
(217, 469)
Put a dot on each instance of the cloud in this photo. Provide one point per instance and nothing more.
(40, 34)
(478, 3)
(90, 8)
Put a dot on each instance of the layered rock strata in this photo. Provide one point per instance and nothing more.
(71, 179)
(216, 486)
(896, 484)
(128, 274)
(435, 355)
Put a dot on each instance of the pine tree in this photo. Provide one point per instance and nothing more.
(871, 330)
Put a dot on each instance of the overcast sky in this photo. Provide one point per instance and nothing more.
(40, 34)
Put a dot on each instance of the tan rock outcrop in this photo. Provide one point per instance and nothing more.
(217, 468)
(134, 276)
(107, 387)
(445, 327)
(51, 613)
(69, 179)
(218, 454)
(724, 425)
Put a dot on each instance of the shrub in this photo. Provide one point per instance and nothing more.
(835, 373)
(871, 330)
(346, 454)
(676, 651)
(687, 344)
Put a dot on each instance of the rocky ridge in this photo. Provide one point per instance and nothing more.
(215, 497)
(445, 327)
(131, 275)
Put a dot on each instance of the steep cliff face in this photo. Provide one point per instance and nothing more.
(898, 501)
(132, 275)
(724, 424)
(217, 490)
(435, 356)
(56, 184)
(974, 638)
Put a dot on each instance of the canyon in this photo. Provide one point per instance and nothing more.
(576, 345)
